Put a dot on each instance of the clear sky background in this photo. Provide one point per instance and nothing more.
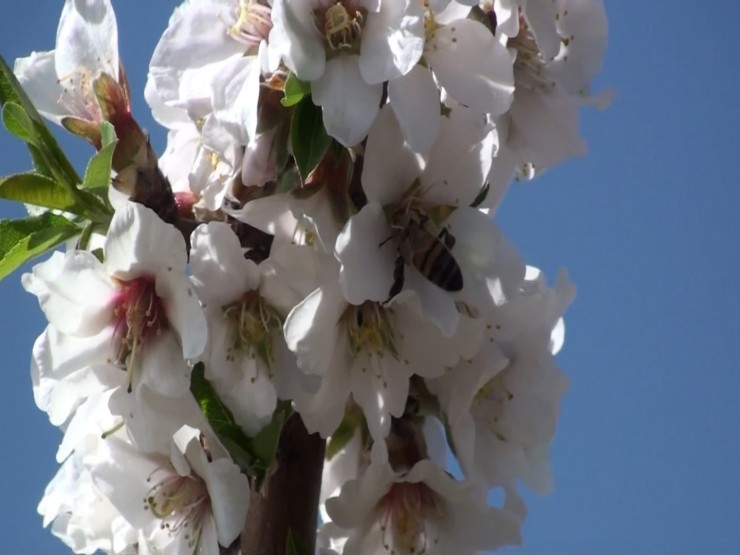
(647, 453)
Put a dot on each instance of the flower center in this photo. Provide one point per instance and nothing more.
(253, 23)
(490, 402)
(78, 97)
(370, 329)
(180, 502)
(254, 324)
(341, 24)
(529, 63)
(405, 510)
(139, 316)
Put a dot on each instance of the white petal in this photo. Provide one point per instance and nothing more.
(221, 274)
(415, 101)
(460, 159)
(74, 292)
(294, 35)
(39, 78)
(228, 490)
(390, 166)
(139, 243)
(392, 41)
(87, 37)
(349, 104)
(367, 267)
(311, 330)
(484, 83)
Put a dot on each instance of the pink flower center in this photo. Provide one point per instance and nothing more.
(139, 316)
(405, 511)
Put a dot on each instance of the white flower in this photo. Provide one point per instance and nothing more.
(467, 60)
(80, 515)
(422, 510)
(59, 82)
(136, 310)
(249, 364)
(559, 48)
(368, 350)
(502, 406)
(190, 501)
(405, 191)
(318, 40)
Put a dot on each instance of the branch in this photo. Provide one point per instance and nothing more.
(289, 497)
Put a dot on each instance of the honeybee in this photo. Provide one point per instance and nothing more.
(420, 245)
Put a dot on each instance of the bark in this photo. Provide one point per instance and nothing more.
(289, 496)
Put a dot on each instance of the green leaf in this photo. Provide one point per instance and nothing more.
(295, 90)
(253, 455)
(107, 133)
(265, 443)
(25, 239)
(309, 140)
(97, 173)
(48, 156)
(352, 420)
(17, 122)
(36, 189)
(220, 418)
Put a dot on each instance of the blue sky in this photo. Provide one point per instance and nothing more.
(647, 453)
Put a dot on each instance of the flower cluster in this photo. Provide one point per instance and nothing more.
(334, 165)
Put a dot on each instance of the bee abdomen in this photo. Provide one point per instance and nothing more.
(439, 266)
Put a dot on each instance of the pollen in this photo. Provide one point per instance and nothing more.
(253, 23)
(370, 330)
(341, 24)
(254, 323)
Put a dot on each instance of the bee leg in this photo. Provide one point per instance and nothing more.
(397, 278)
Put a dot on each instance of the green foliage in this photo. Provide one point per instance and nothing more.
(24, 239)
(39, 190)
(252, 454)
(352, 422)
(23, 120)
(295, 90)
(309, 140)
(53, 185)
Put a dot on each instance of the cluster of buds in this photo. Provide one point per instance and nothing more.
(318, 239)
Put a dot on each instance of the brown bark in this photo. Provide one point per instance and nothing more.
(289, 496)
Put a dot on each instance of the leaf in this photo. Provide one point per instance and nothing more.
(107, 133)
(352, 420)
(25, 239)
(220, 418)
(17, 122)
(48, 156)
(97, 173)
(39, 190)
(265, 443)
(309, 140)
(295, 90)
(253, 455)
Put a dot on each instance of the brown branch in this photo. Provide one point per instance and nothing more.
(289, 497)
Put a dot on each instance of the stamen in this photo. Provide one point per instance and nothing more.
(254, 21)
(340, 25)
